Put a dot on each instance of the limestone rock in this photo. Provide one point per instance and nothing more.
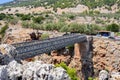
(103, 75)
(3, 73)
(32, 71)
(62, 74)
(15, 70)
(8, 53)
(39, 71)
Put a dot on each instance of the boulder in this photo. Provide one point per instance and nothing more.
(103, 75)
(15, 70)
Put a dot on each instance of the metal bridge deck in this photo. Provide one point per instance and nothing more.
(26, 50)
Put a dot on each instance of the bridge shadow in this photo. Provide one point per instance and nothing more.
(86, 59)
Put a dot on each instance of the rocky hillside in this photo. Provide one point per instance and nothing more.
(106, 55)
(63, 3)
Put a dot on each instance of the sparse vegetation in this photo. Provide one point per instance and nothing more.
(64, 3)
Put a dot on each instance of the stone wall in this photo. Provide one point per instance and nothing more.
(106, 55)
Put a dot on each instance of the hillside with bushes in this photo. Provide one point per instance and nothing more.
(63, 3)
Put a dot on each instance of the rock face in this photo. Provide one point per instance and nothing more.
(3, 73)
(32, 71)
(7, 53)
(106, 55)
(104, 75)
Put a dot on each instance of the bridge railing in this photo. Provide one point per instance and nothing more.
(31, 50)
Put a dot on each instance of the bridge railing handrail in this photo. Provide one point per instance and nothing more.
(21, 49)
(41, 41)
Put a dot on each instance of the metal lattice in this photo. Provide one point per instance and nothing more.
(30, 49)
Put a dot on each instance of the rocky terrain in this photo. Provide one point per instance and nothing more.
(103, 63)
(18, 34)
(32, 71)
(106, 56)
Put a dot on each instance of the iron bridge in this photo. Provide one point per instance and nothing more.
(30, 49)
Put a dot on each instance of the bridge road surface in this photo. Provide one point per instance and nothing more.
(31, 49)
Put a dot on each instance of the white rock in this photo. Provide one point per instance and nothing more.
(14, 70)
(32, 71)
(60, 74)
(3, 73)
(103, 75)
(39, 71)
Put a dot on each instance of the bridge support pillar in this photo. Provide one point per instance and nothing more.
(83, 52)
(77, 51)
(86, 50)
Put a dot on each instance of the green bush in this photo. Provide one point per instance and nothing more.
(13, 21)
(54, 26)
(38, 19)
(90, 78)
(91, 29)
(3, 29)
(117, 34)
(71, 16)
(113, 27)
(44, 36)
(19, 15)
(2, 16)
(64, 28)
(26, 17)
(49, 26)
(25, 24)
(70, 71)
(34, 26)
